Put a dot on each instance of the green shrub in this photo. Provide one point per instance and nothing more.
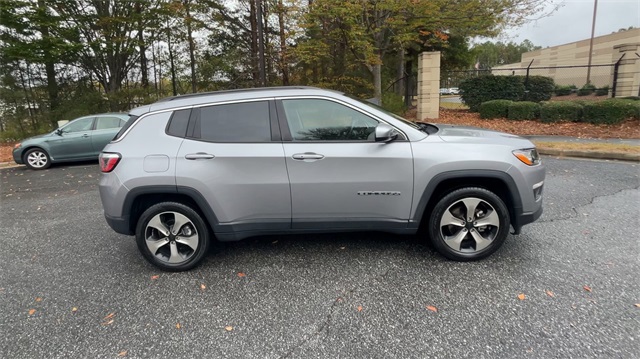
(524, 110)
(602, 91)
(393, 103)
(635, 98)
(495, 109)
(477, 90)
(611, 111)
(560, 111)
(586, 90)
(563, 90)
(538, 88)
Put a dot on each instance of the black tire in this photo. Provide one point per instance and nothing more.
(477, 241)
(37, 159)
(162, 257)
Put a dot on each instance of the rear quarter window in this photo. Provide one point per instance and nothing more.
(132, 119)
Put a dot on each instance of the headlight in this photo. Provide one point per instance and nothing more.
(528, 156)
(17, 145)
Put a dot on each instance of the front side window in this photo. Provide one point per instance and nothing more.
(237, 122)
(323, 120)
(107, 122)
(80, 125)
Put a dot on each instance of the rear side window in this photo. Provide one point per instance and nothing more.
(107, 122)
(126, 126)
(238, 122)
(178, 123)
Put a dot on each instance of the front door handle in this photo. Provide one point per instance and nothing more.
(307, 156)
(199, 156)
(85, 135)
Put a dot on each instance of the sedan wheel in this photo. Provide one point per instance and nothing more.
(468, 224)
(37, 159)
(172, 236)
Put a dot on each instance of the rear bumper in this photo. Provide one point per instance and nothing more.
(119, 224)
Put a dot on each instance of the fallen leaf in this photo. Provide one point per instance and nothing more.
(343, 247)
(122, 353)
(32, 311)
(154, 277)
(38, 299)
(359, 308)
(228, 328)
(637, 305)
(109, 316)
(587, 288)
(203, 287)
(274, 242)
(109, 322)
(74, 309)
(178, 326)
(550, 293)
(240, 274)
(432, 308)
(521, 296)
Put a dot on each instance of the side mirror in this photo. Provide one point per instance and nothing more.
(59, 132)
(385, 133)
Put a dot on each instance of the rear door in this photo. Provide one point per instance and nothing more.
(233, 156)
(340, 177)
(106, 127)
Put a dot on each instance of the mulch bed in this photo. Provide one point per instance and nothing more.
(629, 129)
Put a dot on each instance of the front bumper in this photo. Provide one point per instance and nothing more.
(17, 156)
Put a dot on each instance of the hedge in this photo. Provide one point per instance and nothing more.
(602, 91)
(587, 89)
(559, 111)
(611, 111)
(563, 90)
(538, 88)
(495, 109)
(524, 110)
(481, 89)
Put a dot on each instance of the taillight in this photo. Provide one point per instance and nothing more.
(108, 161)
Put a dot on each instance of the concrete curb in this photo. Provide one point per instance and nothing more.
(591, 154)
(8, 165)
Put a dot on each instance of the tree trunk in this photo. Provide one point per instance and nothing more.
(284, 68)
(143, 49)
(192, 47)
(377, 82)
(400, 72)
(261, 67)
(254, 42)
(49, 66)
(172, 65)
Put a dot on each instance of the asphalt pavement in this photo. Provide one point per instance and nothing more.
(70, 287)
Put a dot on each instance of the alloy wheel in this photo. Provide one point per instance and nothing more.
(171, 237)
(469, 225)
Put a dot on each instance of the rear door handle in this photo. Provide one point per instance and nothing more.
(199, 156)
(307, 156)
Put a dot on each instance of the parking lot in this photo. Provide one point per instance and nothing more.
(568, 286)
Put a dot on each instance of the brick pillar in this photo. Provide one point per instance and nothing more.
(628, 81)
(428, 85)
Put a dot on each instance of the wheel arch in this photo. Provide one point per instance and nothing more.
(141, 198)
(500, 183)
(34, 146)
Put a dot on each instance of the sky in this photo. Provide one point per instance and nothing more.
(572, 22)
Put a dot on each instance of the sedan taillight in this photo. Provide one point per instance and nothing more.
(108, 161)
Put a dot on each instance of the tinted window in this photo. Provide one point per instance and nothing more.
(322, 120)
(178, 123)
(83, 124)
(238, 122)
(103, 123)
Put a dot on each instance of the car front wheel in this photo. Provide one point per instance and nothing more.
(469, 224)
(37, 159)
(172, 236)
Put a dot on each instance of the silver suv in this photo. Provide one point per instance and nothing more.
(229, 165)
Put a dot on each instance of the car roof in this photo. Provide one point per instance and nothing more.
(232, 95)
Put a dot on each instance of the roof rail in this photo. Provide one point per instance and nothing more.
(255, 89)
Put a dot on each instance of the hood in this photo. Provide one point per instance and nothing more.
(37, 137)
(450, 133)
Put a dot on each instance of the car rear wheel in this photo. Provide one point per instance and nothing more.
(37, 159)
(172, 236)
(469, 224)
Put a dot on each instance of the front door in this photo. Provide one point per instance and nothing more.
(234, 159)
(339, 174)
(73, 140)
